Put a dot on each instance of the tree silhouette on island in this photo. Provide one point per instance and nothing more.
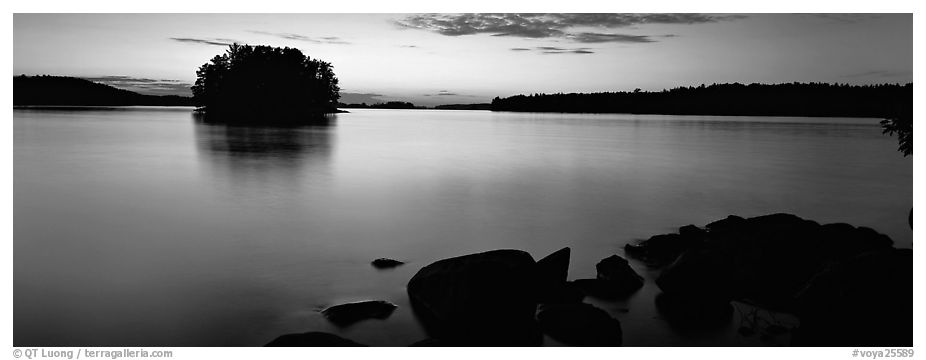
(264, 85)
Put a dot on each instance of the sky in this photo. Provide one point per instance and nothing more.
(432, 59)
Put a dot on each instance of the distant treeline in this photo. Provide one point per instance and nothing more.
(385, 105)
(794, 99)
(70, 91)
(408, 105)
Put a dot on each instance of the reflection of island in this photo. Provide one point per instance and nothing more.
(264, 156)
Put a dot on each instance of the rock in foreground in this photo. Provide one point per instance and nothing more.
(764, 259)
(484, 299)
(552, 272)
(347, 314)
(865, 301)
(554, 268)
(312, 339)
(616, 272)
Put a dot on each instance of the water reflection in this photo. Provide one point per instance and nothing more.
(247, 156)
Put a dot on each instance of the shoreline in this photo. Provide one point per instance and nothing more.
(479, 313)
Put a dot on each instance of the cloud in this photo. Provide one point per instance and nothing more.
(298, 37)
(540, 26)
(145, 85)
(207, 41)
(556, 50)
(589, 37)
(448, 93)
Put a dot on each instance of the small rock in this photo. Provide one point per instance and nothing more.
(580, 324)
(617, 273)
(384, 263)
(347, 314)
(310, 339)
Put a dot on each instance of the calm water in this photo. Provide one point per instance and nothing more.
(141, 227)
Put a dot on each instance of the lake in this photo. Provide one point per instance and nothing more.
(139, 226)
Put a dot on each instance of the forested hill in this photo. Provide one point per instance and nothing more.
(794, 99)
(69, 91)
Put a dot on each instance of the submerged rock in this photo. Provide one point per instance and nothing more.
(313, 338)
(486, 299)
(580, 324)
(384, 263)
(347, 314)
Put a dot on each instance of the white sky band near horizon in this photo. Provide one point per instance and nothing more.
(374, 54)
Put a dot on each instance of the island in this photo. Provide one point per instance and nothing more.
(264, 85)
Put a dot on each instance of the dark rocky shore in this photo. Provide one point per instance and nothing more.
(847, 285)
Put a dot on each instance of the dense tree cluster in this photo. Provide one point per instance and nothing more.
(71, 91)
(264, 84)
(791, 99)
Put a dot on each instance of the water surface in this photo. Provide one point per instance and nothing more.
(142, 227)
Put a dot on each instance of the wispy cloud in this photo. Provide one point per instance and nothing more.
(555, 50)
(448, 93)
(540, 26)
(315, 40)
(590, 37)
(206, 41)
(145, 85)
